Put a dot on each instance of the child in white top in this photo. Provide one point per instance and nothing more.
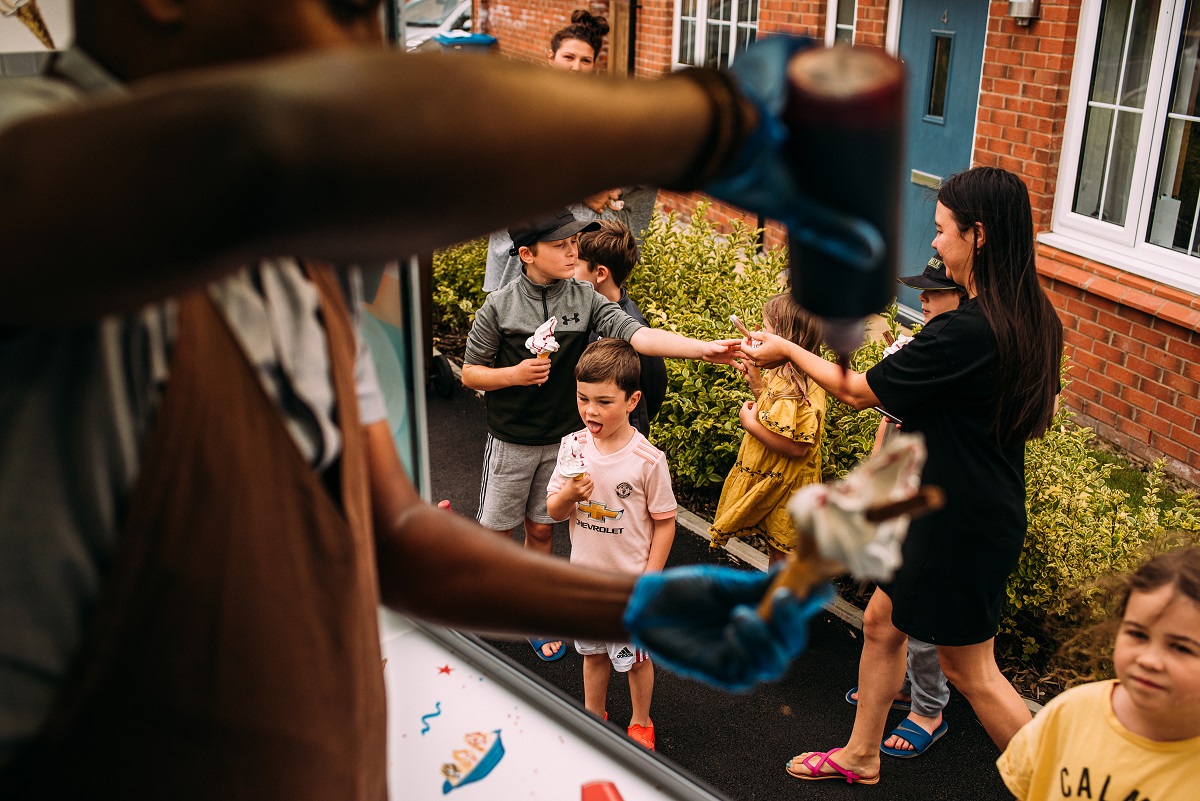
(1135, 738)
(622, 511)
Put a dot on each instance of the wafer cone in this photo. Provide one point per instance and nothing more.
(31, 15)
(544, 354)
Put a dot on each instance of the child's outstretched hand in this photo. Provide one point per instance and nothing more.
(748, 413)
(751, 373)
(531, 371)
(764, 350)
(720, 351)
(702, 622)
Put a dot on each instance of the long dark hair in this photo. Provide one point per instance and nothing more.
(586, 27)
(1029, 335)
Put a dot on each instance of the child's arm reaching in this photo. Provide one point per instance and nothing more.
(751, 373)
(660, 544)
(656, 342)
(776, 443)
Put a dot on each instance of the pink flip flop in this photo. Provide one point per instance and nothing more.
(826, 758)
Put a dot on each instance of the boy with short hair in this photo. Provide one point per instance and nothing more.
(622, 512)
(529, 399)
(606, 258)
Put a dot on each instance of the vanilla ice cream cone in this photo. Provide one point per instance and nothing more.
(29, 14)
(544, 354)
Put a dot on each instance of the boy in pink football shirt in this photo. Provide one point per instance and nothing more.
(621, 507)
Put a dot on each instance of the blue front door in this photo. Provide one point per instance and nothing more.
(941, 42)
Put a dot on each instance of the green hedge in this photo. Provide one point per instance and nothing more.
(690, 279)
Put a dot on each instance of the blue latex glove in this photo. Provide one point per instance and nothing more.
(702, 622)
(759, 178)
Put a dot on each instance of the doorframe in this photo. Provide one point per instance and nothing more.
(892, 46)
(891, 38)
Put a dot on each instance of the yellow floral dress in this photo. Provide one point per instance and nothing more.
(757, 489)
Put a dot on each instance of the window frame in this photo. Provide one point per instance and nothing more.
(701, 31)
(831, 23)
(1124, 246)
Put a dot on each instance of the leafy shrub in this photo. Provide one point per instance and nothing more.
(1081, 529)
(690, 279)
(458, 284)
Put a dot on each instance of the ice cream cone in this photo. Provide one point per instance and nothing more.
(31, 16)
(544, 354)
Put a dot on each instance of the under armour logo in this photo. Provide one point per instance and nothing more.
(598, 511)
(574, 318)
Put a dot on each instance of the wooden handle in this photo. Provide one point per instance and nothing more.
(927, 499)
(805, 569)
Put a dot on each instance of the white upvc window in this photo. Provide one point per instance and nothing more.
(1128, 189)
(840, 21)
(710, 33)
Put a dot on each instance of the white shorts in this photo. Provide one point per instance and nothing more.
(623, 655)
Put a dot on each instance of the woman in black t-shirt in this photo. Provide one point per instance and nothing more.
(978, 382)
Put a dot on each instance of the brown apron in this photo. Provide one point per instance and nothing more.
(235, 652)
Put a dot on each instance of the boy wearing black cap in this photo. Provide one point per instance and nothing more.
(530, 400)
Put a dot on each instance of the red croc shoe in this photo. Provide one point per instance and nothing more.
(643, 734)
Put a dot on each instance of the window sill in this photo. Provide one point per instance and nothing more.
(1092, 269)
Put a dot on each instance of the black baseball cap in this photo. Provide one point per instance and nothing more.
(932, 277)
(552, 227)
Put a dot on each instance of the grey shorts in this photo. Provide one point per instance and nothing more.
(514, 484)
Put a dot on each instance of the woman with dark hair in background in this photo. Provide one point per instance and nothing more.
(574, 48)
(977, 382)
(577, 46)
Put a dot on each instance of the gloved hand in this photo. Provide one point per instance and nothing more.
(702, 622)
(759, 178)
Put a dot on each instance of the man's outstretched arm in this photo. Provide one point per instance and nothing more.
(443, 567)
(348, 155)
(700, 621)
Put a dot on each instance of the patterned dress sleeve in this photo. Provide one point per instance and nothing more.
(789, 417)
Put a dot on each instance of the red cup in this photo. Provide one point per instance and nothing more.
(601, 791)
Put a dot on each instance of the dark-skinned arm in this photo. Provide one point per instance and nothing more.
(350, 155)
(445, 568)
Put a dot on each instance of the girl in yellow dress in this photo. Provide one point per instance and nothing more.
(781, 450)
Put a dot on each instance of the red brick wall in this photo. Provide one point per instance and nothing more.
(1023, 97)
(523, 27)
(1132, 345)
(1133, 349)
(652, 50)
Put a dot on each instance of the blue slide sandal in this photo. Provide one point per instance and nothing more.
(537, 644)
(902, 706)
(916, 736)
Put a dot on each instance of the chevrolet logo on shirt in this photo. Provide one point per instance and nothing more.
(598, 511)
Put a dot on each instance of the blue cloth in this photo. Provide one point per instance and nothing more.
(702, 622)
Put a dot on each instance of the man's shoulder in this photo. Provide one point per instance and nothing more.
(25, 97)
